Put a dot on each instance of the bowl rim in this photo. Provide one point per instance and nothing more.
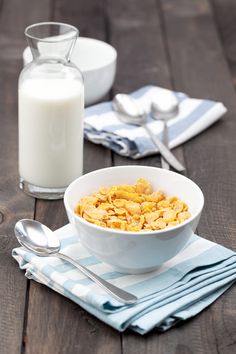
(137, 233)
(101, 43)
(26, 52)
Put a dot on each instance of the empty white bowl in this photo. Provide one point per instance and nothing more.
(134, 252)
(97, 62)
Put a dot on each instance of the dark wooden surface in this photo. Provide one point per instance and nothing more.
(181, 44)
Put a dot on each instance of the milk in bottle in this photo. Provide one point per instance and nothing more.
(50, 117)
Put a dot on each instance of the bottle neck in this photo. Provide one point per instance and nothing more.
(52, 50)
(51, 40)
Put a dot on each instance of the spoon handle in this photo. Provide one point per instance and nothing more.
(119, 294)
(165, 140)
(164, 151)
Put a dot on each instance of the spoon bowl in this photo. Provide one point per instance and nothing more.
(36, 237)
(129, 111)
(165, 106)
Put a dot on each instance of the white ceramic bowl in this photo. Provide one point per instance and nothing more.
(134, 252)
(97, 62)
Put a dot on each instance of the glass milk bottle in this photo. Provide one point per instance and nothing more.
(51, 104)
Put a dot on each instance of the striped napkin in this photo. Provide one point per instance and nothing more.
(103, 127)
(179, 289)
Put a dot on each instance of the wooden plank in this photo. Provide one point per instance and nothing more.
(136, 32)
(225, 17)
(138, 35)
(14, 204)
(200, 69)
(55, 324)
(64, 327)
(87, 16)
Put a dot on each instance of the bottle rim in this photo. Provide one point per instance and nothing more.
(49, 39)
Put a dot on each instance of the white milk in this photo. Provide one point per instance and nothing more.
(50, 131)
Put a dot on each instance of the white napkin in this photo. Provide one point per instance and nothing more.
(179, 289)
(195, 115)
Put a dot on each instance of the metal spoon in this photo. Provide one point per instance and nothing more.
(40, 240)
(164, 107)
(131, 113)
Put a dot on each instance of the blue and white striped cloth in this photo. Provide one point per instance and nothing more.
(179, 289)
(103, 127)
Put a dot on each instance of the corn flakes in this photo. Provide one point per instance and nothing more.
(132, 208)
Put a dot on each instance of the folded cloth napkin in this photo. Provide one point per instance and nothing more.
(103, 127)
(177, 290)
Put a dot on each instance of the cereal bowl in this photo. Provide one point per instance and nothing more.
(134, 252)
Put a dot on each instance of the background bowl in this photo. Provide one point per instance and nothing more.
(97, 62)
(134, 252)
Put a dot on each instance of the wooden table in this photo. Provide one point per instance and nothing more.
(180, 44)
